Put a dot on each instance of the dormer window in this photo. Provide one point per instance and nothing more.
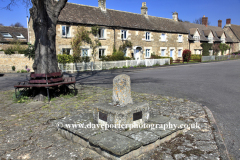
(196, 38)
(66, 31)
(210, 39)
(6, 35)
(223, 40)
(101, 32)
(18, 35)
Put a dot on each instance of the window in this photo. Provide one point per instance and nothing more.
(171, 53)
(65, 31)
(147, 53)
(101, 33)
(210, 39)
(223, 40)
(163, 52)
(179, 53)
(6, 35)
(163, 37)
(196, 38)
(66, 51)
(18, 35)
(101, 52)
(179, 38)
(147, 36)
(84, 52)
(123, 34)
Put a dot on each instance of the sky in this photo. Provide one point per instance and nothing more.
(188, 10)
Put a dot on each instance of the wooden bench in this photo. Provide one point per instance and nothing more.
(45, 81)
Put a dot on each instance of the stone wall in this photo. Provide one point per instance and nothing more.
(17, 60)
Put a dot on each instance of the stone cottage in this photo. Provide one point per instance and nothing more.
(234, 32)
(148, 34)
(8, 35)
(203, 33)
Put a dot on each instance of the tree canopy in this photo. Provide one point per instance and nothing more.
(199, 21)
(18, 24)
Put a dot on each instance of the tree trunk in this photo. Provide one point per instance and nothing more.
(45, 15)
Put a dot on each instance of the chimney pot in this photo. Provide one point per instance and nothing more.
(228, 22)
(220, 23)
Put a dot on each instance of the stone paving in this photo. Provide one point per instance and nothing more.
(28, 130)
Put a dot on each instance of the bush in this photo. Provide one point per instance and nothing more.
(9, 51)
(235, 53)
(85, 59)
(196, 57)
(64, 58)
(30, 51)
(186, 55)
(13, 68)
(23, 71)
(116, 56)
(153, 56)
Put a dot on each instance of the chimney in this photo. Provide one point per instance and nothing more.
(205, 21)
(102, 4)
(228, 22)
(144, 9)
(175, 16)
(220, 23)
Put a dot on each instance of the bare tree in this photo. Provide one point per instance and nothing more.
(199, 21)
(18, 24)
(44, 14)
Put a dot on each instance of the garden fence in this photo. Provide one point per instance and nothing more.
(95, 66)
(219, 58)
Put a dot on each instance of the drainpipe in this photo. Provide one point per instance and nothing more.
(27, 29)
(114, 41)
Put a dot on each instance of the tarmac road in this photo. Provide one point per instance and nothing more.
(215, 84)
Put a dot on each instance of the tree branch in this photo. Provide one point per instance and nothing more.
(59, 6)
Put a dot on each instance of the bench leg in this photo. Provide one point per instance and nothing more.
(48, 94)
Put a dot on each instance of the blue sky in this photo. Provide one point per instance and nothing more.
(187, 10)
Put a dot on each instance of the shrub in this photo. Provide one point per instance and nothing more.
(85, 59)
(235, 53)
(116, 56)
(23, 71)
(9, 51)
(186, 55)
(64, 58)
(13, 68)
(30, 51)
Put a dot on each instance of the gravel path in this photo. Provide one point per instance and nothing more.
(28, 131)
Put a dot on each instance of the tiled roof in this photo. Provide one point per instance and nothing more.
(192, 26)
(236, 30)
(218, 31)
(204, 31)
(14, 32)
(81, 14)
(192, 31)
